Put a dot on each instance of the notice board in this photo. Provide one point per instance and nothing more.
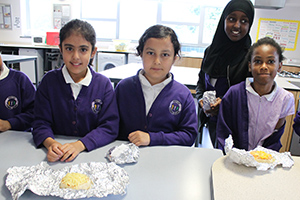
(284, 32)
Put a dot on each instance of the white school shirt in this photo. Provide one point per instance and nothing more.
(76, 87)
(265, 111)
(4, 72)
(151, 91)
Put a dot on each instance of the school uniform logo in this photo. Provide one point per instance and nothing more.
(96, 106)
(11, 102)
(175, 107)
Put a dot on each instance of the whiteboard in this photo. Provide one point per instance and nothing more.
(284, 32)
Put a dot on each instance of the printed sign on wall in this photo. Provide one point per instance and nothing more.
(285, 32)
(61, 15)
(5, 16)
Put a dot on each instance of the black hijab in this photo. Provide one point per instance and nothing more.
(222, 51)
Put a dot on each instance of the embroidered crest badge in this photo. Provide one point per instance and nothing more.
(11, 102)
(96, 106)
(175, 107)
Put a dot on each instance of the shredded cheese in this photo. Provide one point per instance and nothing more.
(261, 155)
(75, 181)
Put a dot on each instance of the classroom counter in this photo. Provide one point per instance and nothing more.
(288, 83)
(162, 172)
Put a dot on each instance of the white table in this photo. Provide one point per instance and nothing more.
(162, 172)
(11, 59)
(234, 182)
(185, 75)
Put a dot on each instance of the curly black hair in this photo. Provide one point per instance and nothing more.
(266, 41)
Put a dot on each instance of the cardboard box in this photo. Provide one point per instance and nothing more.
(52, 38)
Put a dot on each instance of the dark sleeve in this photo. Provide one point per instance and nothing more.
(23, 120)
(273, 141)
(224, 122)
(233, 118)
(201, 88)
(296, 124)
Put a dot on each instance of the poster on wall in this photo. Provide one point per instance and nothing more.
(5, 16)
(285, 32)
(61, 15)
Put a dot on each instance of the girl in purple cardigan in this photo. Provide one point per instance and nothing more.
(154, 108)
(74, 100)
(254, 111)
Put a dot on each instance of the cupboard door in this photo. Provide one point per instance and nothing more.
(189, 62)
(288, 131)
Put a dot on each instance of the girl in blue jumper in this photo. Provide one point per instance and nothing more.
(16, 100)
(154, 108)
(254, 111)
(74, 100)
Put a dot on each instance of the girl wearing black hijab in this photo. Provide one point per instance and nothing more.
(224, 62)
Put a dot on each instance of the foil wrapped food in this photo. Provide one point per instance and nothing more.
(208, 98)
(107, 178)
(124, 153)
(243, 157)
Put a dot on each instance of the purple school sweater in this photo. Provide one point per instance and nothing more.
(171, 119)
(17, 100)
(93, 116)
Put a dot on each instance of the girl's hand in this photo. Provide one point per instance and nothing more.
(201, 103)
(139, 138)
(71, 150)
(4, 125)
(214, 108)
(54, 149)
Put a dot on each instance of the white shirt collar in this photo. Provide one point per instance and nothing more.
(85, 81)
(144, 81)
(150, 92)
(4, 72)
(249, 88)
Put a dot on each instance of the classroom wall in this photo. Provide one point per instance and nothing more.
(15, 35)
(289, 12)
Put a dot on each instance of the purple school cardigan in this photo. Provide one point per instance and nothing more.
(93, 116)
(17, 100)
(171, 119)
(233, 119)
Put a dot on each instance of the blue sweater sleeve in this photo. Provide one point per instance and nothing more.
(23, 120)
(233, 117)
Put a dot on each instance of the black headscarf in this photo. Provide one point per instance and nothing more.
(222, 51)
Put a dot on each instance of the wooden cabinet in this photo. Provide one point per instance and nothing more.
(189, 62)
(288, 131)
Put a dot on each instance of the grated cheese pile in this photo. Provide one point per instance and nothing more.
(262, 156)
(76, 181)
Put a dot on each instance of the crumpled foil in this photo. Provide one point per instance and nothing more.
(243, 157)
(124, 153)
(208, 98)
(107, 178)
